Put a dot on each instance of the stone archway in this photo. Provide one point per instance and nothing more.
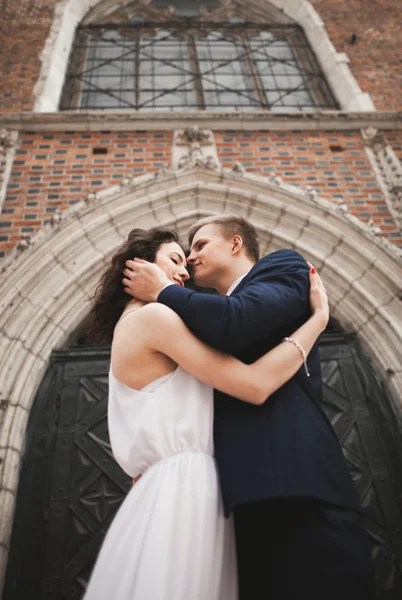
(46, 288)
(69, 13)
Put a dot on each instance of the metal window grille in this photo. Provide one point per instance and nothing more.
(205, 66)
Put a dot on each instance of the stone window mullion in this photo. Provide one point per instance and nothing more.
(198, 83)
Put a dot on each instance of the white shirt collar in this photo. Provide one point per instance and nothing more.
(235, 284)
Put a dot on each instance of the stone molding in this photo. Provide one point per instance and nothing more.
(388, 170)
(198, 162)
(46, 284)
(8, 143)
(69, 13)
(130, 120)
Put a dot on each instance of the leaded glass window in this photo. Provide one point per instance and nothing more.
(187, 64)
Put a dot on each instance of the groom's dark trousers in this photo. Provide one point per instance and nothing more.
(298, 521)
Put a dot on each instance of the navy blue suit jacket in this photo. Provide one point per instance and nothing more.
(286, 447)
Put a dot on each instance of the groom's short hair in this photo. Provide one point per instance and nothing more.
(230, 225)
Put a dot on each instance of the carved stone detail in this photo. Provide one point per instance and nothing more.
(388, 170)
(56, 218)
(144, 9)
(163, 172)
(111, 12)
(372, 136)
(221, 14)
(274, 178)
(238, 168)
(194, 147)
(8, 141)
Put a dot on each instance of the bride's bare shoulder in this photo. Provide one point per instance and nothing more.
(148, 316)
(139, 331)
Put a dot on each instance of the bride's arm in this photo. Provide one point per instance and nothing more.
(161, 330)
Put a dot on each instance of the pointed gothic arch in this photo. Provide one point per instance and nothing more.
(69, 13)
(46, 288)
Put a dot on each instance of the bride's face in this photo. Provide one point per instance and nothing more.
(172, 260)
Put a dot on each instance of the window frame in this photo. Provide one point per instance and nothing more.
(317, 87)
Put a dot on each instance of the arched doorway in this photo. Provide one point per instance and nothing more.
(70, 486)
(45, 291)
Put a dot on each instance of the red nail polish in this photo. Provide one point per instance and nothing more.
(313, 270)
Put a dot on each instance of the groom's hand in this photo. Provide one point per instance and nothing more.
(144, 280)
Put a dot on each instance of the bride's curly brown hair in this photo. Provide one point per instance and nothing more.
(110, 298)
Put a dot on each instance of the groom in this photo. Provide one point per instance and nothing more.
(298, 523)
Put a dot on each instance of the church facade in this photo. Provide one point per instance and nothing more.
(120, 114)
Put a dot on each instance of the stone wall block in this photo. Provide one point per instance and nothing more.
(7, 500)
(10, 365)
(383, 344)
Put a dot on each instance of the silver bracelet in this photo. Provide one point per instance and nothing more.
(301, 350)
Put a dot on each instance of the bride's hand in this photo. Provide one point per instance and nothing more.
(318, 296)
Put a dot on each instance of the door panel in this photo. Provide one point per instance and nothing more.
(70, 487)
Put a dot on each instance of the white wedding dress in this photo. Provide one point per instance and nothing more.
(169, 539)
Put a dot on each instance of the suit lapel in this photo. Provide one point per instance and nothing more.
(261, 264)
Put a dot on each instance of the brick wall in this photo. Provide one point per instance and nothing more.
(335, 164)
(24, 28)
(375, 57)
(56, 170)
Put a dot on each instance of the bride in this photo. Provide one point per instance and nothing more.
(169, 539)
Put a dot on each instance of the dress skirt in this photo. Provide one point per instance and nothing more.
(169, 539)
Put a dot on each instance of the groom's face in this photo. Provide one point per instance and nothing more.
(210, 256)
